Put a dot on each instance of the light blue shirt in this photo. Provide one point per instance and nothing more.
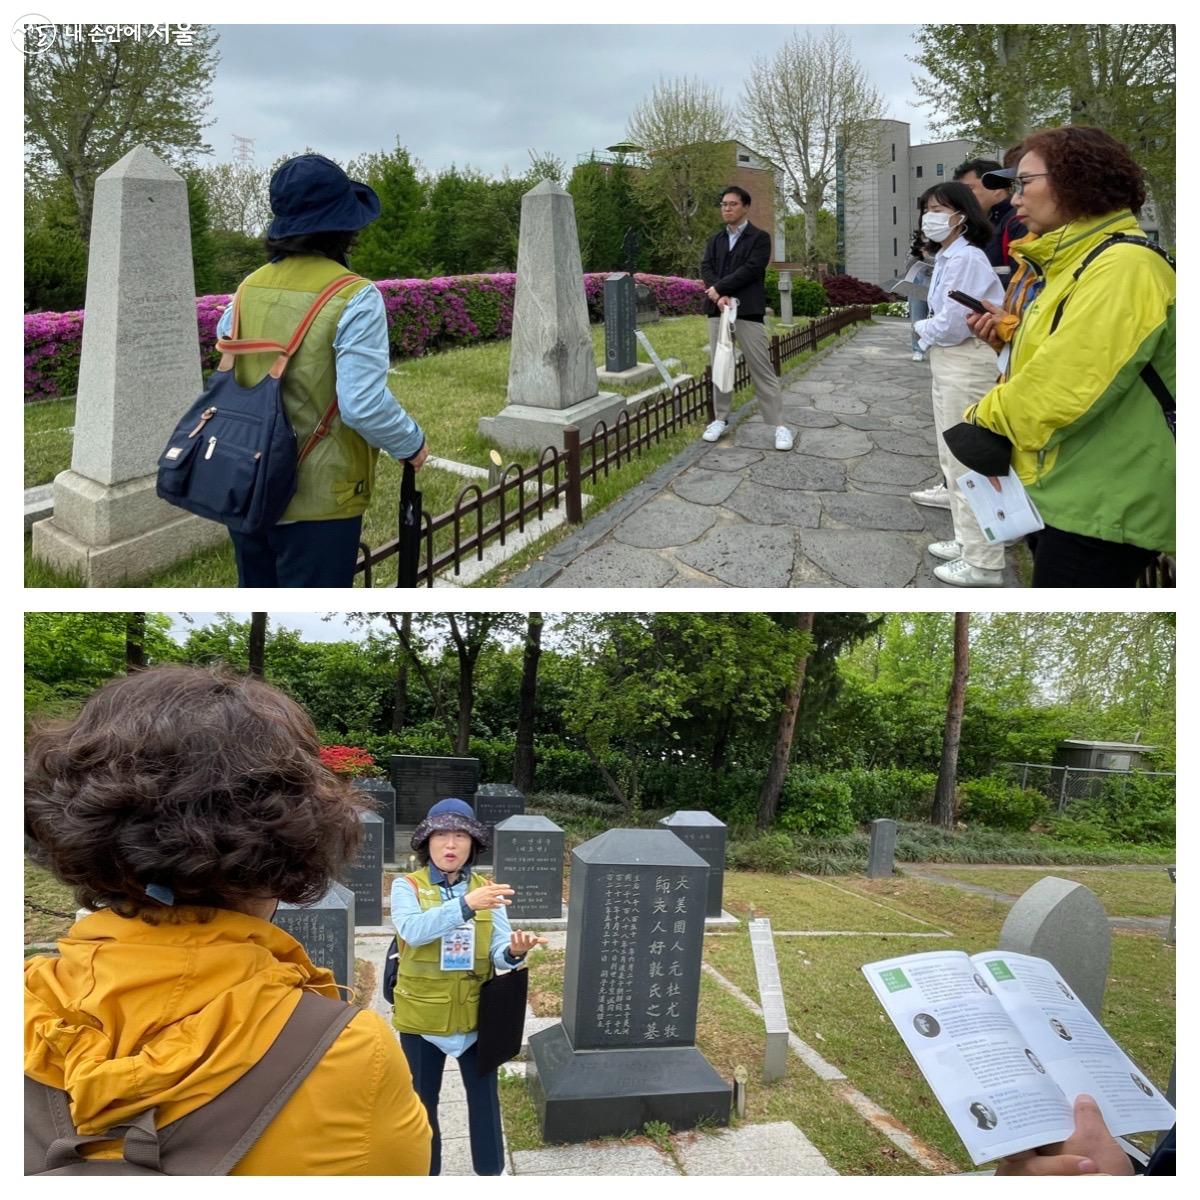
(736, 233)
(419, 927)
(365, 402)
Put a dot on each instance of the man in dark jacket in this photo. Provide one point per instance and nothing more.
(735, 268)
(997, 203)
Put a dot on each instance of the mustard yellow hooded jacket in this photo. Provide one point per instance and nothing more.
(133, 1016)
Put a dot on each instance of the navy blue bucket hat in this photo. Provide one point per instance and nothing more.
(447, 816)
(311, 194)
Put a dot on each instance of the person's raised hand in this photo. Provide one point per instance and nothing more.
(521, 942)
(1090, 1150)
(491, 895)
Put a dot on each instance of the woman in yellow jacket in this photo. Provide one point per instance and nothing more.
(182, 805)
(453, 931)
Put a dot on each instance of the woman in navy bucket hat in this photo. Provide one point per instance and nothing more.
(335, 389)
(453, 933)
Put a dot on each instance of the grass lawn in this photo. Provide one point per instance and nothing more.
(1123, 893)
(447, 393)
(45, 891)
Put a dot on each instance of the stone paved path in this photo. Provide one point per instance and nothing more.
(833, 512)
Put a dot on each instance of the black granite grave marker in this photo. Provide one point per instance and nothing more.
(383, 796)
(496, 802)
(646, 307)
(364, 876)
(620, 322)
(625, 1051)
(706, 835)
(325, 929)
(529, 858)
(421, 780)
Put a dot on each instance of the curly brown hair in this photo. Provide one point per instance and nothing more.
(195, 779)
(1091, 172)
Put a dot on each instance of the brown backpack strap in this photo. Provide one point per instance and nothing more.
(212, 1139)
(234, 345)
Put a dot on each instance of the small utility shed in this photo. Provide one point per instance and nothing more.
(1082, 754)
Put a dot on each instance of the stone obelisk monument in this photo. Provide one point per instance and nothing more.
(552, 369)
(139, 370)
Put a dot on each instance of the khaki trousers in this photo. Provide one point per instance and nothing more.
(750, 337)
(961, 375)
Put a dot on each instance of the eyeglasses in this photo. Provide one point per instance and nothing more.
(1022, 181)
(731, 204)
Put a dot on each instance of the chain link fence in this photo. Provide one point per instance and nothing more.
(1066, 784)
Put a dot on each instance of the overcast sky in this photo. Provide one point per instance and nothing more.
(485, 95)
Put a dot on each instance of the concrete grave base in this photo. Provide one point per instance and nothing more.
(634, 375)
(653, 392)
(119, 534)
(524, 427)
(587, 1094)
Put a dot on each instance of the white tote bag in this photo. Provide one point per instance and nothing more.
(724, 364)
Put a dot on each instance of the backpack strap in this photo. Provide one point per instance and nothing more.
(214, 1138)
(234, 345)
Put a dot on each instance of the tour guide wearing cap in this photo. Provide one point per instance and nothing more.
(336, 381)
(453, 932)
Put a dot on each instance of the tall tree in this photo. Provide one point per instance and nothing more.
(400, 687)
(684, 129)
(238, 197)
(257, 646)
(135, 642)
(523, 762)
(768, 797)
(396, 244)
(88, 103)
(943, 796)
(811, 109)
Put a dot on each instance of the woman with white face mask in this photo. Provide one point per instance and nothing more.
(962, 367)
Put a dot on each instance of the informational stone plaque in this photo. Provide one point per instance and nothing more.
(326, 930)
(770, 993)
(383, 796)
(620, 323)
(528, 857)
(364, 876)
(706, 835)
(625, 1051)
(422, 780)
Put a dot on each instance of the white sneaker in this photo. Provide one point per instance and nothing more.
(918, 356)
(934, 497)
(960, 573)
(783, 437)
(714, 430)
(947, 550)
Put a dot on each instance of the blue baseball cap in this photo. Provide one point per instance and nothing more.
(312, 194)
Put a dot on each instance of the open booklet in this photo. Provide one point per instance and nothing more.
(1006, 1046)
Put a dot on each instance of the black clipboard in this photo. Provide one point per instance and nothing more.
(502, 1003)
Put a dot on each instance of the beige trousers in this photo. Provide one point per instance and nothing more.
(750, 337)
(961, 375)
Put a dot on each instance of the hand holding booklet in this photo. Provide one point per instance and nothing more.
(1006, 1047)
(1001, 506)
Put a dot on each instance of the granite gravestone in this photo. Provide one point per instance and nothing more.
(139, 369)
(496, 802)
(529, 858)
(625, 1053)
(364, 876)
(706, 835)
(325, 929)
(1064, 923)
(552, 379)
(422, 780)
(620, 323)
(881, 858)
(383, 796)
(770, 992)
(645, 306)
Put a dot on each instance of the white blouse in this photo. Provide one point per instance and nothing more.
(960, 267)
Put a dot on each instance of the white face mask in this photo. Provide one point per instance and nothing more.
(936, 226)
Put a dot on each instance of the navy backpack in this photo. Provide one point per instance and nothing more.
(232, 458)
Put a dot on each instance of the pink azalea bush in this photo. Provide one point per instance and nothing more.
(423, 315)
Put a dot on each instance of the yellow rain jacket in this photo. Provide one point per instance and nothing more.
(133, 1016)
(1090, 442)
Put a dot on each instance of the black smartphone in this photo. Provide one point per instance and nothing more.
(967, 301)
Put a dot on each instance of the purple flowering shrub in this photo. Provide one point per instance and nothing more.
(423, 315)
